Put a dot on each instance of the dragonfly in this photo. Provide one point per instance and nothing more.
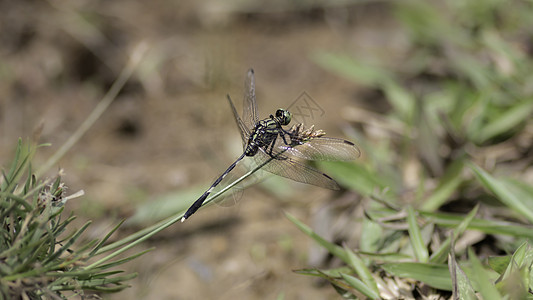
(281, 151)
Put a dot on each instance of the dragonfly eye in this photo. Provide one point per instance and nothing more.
(283, 116)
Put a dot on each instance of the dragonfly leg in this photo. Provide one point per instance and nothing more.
(292, 137)
(271, 145)
(285, 133)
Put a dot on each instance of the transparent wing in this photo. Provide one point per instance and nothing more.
(289, 168)
(249, 114)
(244, 131)
(319, 148)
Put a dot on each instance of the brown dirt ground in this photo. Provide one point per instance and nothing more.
(57, 60)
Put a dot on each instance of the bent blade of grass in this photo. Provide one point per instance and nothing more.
(499, 263)
(109, 284)
(354, 176)
(503, 192)
(17, 201)
(100, 108)
(439, 256)
(321, 273)
(485, 286)
(14, 163)
(20, 165)
(364, 273)
(514, 286)
(386, 257)
(403, 102)
(434, 275)
(462, 288)
(486, 226)
(66, 246)
(334, 278)
(417, 242)
(124, 260)
(332, 248)
(104, 240)
(518, 271)
(506, 121)
(518, 256)
(446, 187)
(527, 267)
(142, 235)
(360, 286)
(371, 235)
(521, 190)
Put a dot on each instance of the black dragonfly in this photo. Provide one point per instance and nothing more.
(280, 151)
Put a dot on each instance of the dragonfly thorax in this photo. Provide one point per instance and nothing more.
(266, 131)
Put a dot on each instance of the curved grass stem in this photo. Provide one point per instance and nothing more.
(142, 235)
(119, 83)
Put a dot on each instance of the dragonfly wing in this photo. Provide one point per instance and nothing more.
(319, 148)
(244, 131)
(289, 168)
(249, 108)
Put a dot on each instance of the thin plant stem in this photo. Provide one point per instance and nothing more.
(146, 233)
(123, 77)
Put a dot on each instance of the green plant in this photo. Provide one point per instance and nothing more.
(458, 140)
(39, 255)
(400, 256)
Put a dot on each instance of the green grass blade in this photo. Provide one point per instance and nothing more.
(108, 235)
(371, 235)
(506, 121)
(10, 174)
(332, 248)
(19, 166)
(515, 280)
(517, 258)
(499, 263)
(67, 245)
(419, 247)
(364, 273)
(447, 186)
(334, 273)
(108, 284)
(403, 102)
(486, 287)
(521, 190)
(435, 275)
(124, 260)
(354, 176)
(360, 286)
(503, 192)
(386, 257)
(486, 226)
(440, 255)
(100, 108)
(462, 287)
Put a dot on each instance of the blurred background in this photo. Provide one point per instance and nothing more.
(415, 84)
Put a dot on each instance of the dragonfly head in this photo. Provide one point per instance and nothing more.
(283, 116)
